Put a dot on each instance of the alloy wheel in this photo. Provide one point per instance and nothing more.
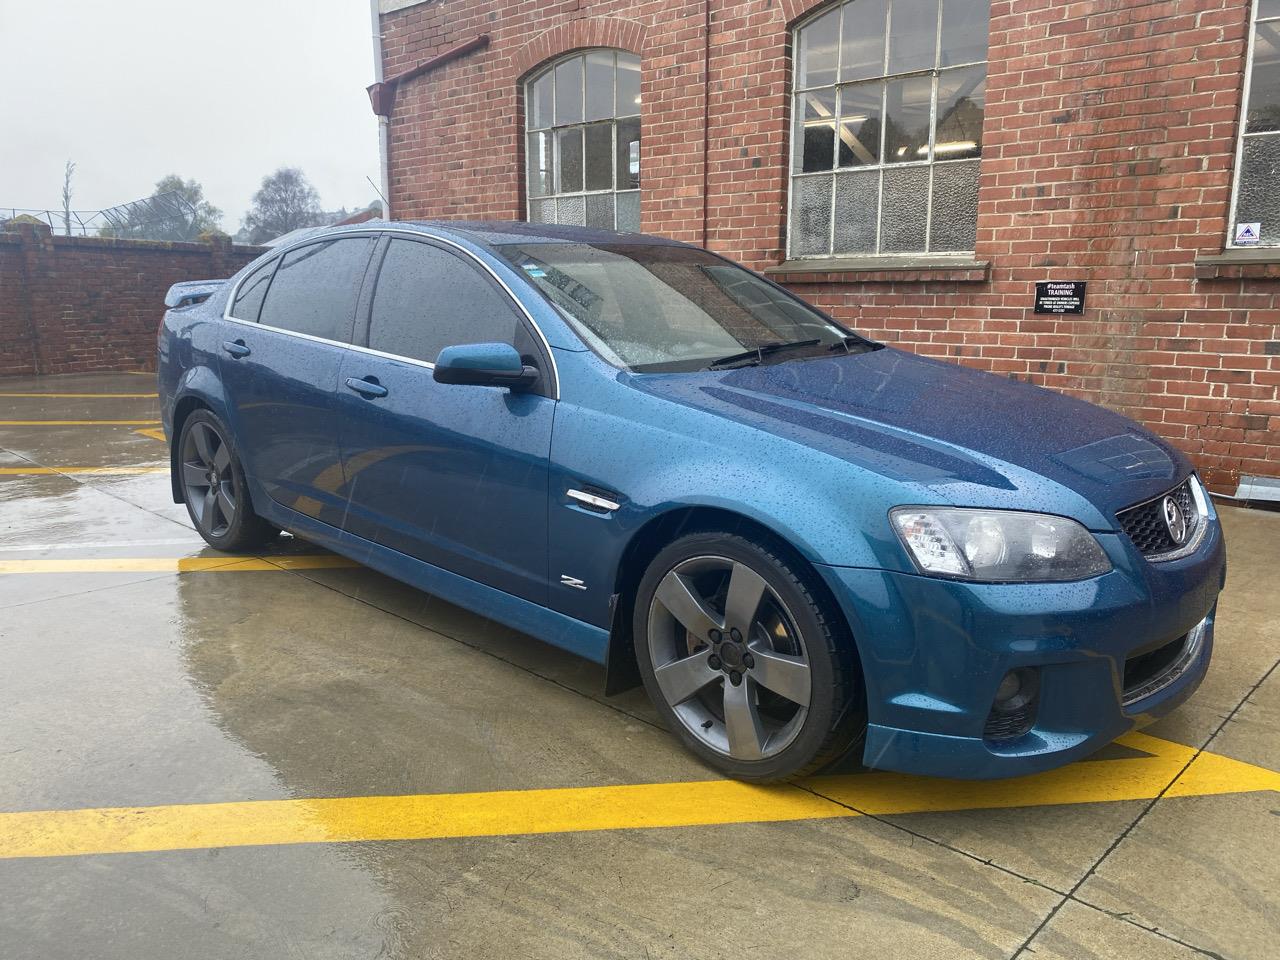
(728, 658)
(208, 480)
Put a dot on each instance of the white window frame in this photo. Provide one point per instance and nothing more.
(555, 196)
(881, 167)
(1255, 8)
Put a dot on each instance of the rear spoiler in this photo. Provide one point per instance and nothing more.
(191, 292)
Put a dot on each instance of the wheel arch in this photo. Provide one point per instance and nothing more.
(621, 671)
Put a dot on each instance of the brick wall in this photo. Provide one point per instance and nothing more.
(1108, 155)
(77, 304)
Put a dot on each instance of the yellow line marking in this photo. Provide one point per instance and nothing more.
(175, 564)
(87, 396)
(79, 471)
(61, 833)
(155, 433)
(78, 423)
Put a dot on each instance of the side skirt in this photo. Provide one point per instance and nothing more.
(570, 634)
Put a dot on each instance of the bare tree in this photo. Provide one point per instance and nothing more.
(67, 173)
(285, 201)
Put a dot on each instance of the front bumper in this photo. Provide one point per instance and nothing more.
(934, 652)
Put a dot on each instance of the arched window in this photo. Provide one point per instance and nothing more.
(582, 116)
(887, 113)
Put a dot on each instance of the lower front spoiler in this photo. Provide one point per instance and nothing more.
(973, 758)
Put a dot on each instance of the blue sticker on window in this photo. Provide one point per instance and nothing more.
(533, 270)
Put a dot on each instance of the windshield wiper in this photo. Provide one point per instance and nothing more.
(756, 355)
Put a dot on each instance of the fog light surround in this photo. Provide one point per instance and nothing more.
(1013, 710)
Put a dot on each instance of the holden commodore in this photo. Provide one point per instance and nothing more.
(804, 544)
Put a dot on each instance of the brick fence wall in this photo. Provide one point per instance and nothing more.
(77, 304)
(1108, 150)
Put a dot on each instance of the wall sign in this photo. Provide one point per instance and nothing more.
(1248, 234)
(1060, 296)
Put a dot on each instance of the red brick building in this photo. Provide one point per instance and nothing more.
(915, 167)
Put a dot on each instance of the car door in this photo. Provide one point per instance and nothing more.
(454, 475)
(291, 325)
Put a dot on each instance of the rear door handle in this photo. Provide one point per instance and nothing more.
(370, 388)
(236, 348)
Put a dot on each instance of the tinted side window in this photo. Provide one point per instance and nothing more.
(428, 299)
(252, 290)
(315, 290)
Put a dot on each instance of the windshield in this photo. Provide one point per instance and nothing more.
(658, 308)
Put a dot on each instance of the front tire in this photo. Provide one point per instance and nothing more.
(746, 665)
(214, 487)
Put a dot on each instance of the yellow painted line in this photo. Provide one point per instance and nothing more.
(79, 471)
(78, 423)
(59, 833)
(87, 396)
(175, 564)
(155, 433)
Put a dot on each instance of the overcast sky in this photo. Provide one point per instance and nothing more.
(223, 92)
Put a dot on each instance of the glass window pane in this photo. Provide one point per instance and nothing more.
(816, 136)
(599, 84)
(600, 211)
(965, 25)
(1268, 8)
(599, 156)
(539, 156)
(1259, 199)
(1264, 81)
(569, 91)
(862, 40)
(569, 160)
(811, 216)
(542, 211)
(819, 48)
(628, 155)
(961, 99)
(252, 289)
(628, 85)
(629, 211)
(571, 210)
(860, 124)
(857, 195)
(540, 99)
(954, 223)
(906, 125)
(428, 299)
(903, 209)
(913, 35)
(314, 290)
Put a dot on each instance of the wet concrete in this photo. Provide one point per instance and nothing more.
(141, 688)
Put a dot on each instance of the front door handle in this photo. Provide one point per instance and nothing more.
(236, 348)
(368, 387)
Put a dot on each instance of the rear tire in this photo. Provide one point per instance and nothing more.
(744, 662)
(214, 487)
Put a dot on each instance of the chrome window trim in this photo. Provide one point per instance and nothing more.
(398, 231)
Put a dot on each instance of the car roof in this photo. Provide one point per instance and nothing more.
(496, 232)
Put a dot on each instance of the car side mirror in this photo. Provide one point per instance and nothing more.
(484, 365)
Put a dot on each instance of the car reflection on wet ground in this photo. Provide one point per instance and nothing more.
(213, 756)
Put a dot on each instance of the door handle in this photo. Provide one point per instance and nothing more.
(236, 348)
(370, 388)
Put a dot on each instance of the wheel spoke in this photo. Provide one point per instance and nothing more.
(226, 506)
(222, 459)
(207, 507)
(742, 721)
(746, 587)
(194, 476)
(681, 679)
(784, 675)
(200, 434)
(675, 593)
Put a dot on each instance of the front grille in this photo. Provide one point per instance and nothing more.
(1146, 527)
(1147, 672)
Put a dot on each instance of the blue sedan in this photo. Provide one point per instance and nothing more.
(803, 543)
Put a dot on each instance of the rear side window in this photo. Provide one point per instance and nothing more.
(315, 290)
(251, 291)
(428, 299)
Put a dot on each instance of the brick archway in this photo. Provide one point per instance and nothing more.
(793, 10)
(576, 35)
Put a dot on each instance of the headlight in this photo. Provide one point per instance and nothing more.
(998, 544)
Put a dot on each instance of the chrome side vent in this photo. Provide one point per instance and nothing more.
(594, 499)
